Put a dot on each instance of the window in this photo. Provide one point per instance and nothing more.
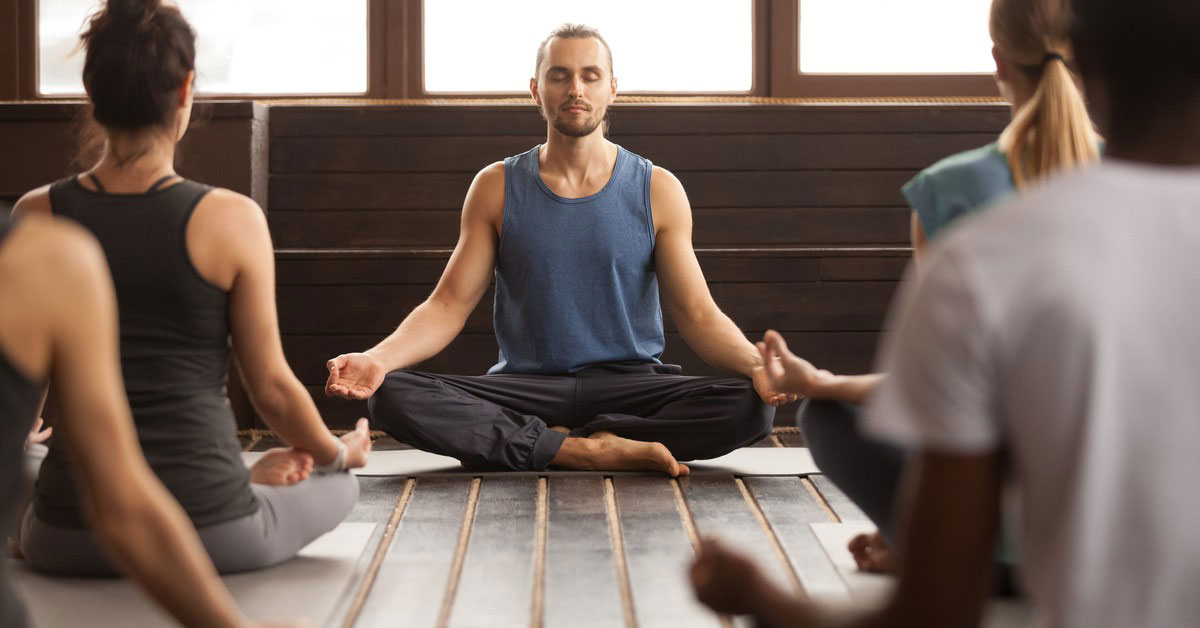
(890, 37)
(242, 46)
(665, 45)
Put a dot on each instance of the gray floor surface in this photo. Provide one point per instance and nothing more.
(533, 550)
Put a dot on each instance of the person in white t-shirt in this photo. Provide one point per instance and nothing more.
(1068, 372)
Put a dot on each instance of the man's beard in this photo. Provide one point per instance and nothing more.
(572, 129)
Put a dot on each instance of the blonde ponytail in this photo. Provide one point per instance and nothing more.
(1052, 131)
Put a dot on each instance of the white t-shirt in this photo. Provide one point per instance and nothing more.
(1065, 327)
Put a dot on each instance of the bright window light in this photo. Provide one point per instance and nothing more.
(663, 45)
(891, 37)
(242, 46)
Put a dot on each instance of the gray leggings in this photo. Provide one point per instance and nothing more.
(288, 518)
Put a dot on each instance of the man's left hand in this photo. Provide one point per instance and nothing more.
(765, 390)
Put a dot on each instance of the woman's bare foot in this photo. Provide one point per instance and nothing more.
(281, 466)
(873, 554)
(605, 451)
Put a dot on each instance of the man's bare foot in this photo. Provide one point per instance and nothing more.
(281, 466)
(605, 451)
(873, 554)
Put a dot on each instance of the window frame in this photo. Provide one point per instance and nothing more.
(395, 67)
(787, 81)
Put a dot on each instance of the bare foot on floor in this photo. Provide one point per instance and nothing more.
(281, 466)
(605, 451)
(873, 554)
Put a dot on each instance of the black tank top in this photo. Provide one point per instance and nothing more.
(19, 399)
(174, 329)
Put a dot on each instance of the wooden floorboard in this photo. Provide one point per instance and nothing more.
(496, 585)
(582, 585)
(719, 508)
(789, 508)
(412, 580)
(657, 553)
(841, 504)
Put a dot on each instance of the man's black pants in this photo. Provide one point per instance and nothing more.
(502, 421)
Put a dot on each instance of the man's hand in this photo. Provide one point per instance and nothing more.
(726, 581)
(354, 376)
(358, 445)
(767, 390)
(786, 372)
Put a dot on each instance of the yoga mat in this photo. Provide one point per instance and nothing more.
(764, 461)
(311, 587)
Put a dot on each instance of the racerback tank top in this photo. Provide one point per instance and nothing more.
(174, 332)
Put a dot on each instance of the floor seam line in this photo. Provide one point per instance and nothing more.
(821, 500)
(460, 552)
(693, 534)
(385, 543)
(538, 610)
(617, 539)
(772, 537)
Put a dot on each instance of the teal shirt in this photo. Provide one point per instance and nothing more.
(958, 185)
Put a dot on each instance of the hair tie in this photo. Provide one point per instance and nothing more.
(1051, 56)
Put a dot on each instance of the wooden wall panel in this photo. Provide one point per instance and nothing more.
(375, 309)
(742, 226)
(799, 223)
(226, 146)
(678, 153)
(717, 189)
(703, 119)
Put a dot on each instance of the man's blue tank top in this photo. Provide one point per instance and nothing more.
(575, 279)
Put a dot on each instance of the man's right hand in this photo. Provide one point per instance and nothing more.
(354, 376)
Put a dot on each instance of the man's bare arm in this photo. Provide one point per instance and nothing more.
(436, 322)
(707, 330)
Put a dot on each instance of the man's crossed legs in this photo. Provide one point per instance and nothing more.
(606, 417)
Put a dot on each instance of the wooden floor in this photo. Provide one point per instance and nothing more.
(527, 550)
(589, 550)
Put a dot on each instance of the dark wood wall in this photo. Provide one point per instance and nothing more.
(799, 224)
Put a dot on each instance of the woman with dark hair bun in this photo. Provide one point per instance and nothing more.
(193, 267)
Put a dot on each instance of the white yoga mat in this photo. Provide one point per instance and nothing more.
(746, 461)
(308, 587)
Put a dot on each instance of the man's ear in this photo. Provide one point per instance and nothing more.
(533, 91)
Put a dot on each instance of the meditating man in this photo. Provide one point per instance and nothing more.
(1067, 373)
(578, 233)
